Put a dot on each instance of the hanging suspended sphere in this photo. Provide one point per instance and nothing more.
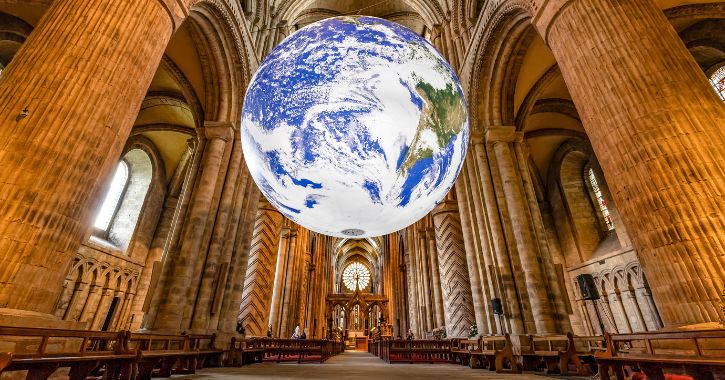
(354, 127)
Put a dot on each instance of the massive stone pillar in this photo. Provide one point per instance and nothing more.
(236, 257)
(509, 296)
(176, 298)
(286, 245)
(68, 87)
(212, 269)
(435, 274)
(656, 127)
(257, 295)
(536, 286)
(457, 298)
(424, 272)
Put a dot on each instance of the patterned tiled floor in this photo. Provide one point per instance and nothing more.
(353, 365)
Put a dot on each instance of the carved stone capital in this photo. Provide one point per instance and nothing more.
(503, 133)
(478, 137)
(448, 205)
(218, 130)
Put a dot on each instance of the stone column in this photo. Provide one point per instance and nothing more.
(536, 286)
(102, 309)
(498, 242)
(411, 270)
(424, 271)
(656, 126)
(91, 305)
(75, 306)
(211, 271)
(619, 313)
(452, 258)
(237, 249)
(435, 274)
(536, 224)
(71, 76)
(652, 317)
(258, 284)
(170, 246)
(171, 310)
(283, 255)
(476, 246)
(631, 299)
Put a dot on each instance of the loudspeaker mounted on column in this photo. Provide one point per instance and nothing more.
(496, 306)
(587, 287)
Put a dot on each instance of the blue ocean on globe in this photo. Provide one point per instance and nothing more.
(354, 126)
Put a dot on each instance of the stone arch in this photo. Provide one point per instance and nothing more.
(502, 29)
(13, 32)
(577, 216)
(227, 54)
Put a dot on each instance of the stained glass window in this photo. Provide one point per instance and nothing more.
(356, 276)
(600, 200)
(718, 81)
(110, 203)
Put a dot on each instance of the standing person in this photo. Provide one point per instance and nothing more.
(269, 331)
(304, 334)
(409, 336)
(296, 334)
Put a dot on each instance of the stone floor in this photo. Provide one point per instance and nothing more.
(353, 365)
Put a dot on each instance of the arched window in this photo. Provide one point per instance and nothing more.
(113, 198)
(121, 208)
(717, 79)
(600, 199)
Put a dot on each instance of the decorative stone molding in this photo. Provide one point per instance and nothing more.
(218, 130)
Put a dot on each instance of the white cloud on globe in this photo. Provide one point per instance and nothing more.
(354, 126)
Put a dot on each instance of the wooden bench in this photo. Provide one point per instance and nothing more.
(496, 354)
(297, 350)
(560, 354)
(461, 350)
(243, 351)
(208, 355)
(418, 351)
(699, 354)
(42, 351)
(163, 355)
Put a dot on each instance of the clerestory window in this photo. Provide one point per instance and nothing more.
(113, 198)
(717, 80)
(603, 209)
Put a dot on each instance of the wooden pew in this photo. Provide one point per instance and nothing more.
(297, 350)
(243, 351)
(163, 355)
(461, 350)
(543, 352)
(699, 354)
(418, 351)
(208, 355)
(559, 354)
(495, 353)
(42, 351)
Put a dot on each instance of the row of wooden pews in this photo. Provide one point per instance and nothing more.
(412, 351)
(140, 356)
(695, 354)
(298, 350)
(651, 355)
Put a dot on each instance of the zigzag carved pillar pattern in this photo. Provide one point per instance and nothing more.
(257, 293)
(457, 298)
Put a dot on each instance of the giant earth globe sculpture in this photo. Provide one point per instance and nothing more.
(354, 126)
